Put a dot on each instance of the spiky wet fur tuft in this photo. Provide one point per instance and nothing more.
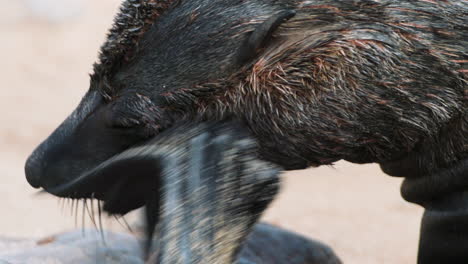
(133, 20)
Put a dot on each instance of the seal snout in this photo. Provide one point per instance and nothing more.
(33, 170)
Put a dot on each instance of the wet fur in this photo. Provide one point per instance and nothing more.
(365, 81)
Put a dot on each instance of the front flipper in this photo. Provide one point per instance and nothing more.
(213, 189)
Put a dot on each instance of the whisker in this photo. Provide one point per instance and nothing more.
(89, 214)
(64, 205)
(118, 221)
(100, 228)
(93, 213)
(72, 207)
(77, 204)
(91, 201)
(126, 224)
(67, 202)
(100, 223)
(71, 203)
(83, 218)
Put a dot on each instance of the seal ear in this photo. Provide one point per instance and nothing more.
(261, 35)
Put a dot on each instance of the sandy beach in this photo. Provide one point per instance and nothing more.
(44, 67)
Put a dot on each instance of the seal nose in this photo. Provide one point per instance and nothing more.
(33, 171)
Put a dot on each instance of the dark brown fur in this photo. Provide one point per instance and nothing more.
(366, 81)
(359, 91)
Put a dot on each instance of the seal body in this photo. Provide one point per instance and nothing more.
(313, 81)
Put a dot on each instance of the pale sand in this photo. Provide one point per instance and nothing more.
(44, 67)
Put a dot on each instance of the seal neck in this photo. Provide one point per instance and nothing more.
(437, 168)
(438, 152)
(436, 185)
